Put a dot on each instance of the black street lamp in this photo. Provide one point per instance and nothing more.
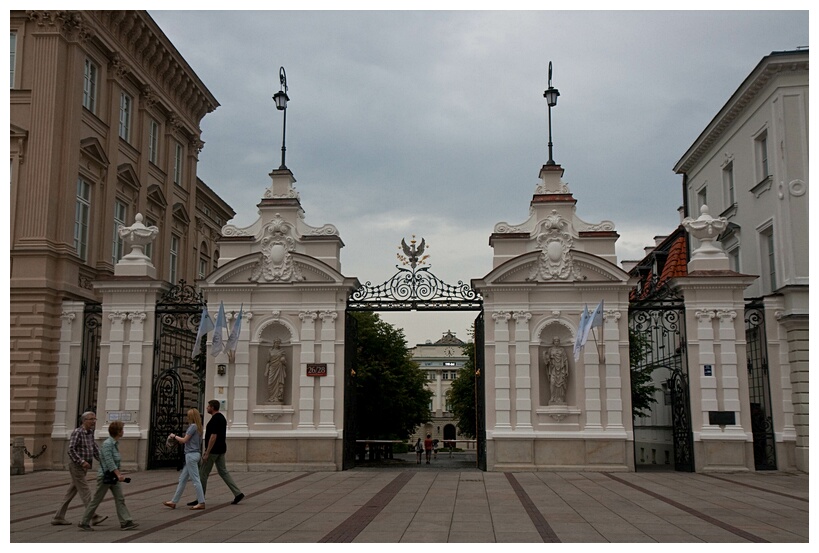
(551, 95)
(281, 100)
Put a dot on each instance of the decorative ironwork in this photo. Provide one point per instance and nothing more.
(89, 360)
(350, 338)
(681, 421)
(178, 376)
(480, 399)
(660, 320)
(415, 288)
(759, 387)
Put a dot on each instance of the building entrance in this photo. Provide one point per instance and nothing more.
(411, 289)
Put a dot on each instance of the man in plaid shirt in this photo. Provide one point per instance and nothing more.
(82, 450)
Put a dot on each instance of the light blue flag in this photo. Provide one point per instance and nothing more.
(581, 328)
(205, 326)
(233, 339)
(595, 319)
(219, 332)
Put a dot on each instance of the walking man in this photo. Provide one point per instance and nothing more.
(82, 450)
(215, 448)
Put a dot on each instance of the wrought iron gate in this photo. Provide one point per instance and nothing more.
(89, 360)
(350, 337)
(480, 399)
(759, 387)
(660, 320)
(178, 377)
(413, 289)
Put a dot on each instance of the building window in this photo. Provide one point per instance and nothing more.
(149, 247)
(204, 261)
(762, 156)
(733, 258)
(728, 183)
(120, 213)
(125, 108)
(177, 164)
(13, 56)
(702, 199)
(82, 213)
(768, 257)
(431, 376)
(153, 141)
(89, 86)
(444, 375)
(173, 258)
(215, 260)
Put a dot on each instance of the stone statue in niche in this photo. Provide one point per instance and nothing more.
(557, 369)
(276, 372)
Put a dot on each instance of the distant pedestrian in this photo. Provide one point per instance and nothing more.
(215, 449)
(428, 447)
(110, 463)
(82, 450)
(419, 450)
(435, 448)
(193, 447)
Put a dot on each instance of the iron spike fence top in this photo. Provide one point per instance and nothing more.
(415, 289)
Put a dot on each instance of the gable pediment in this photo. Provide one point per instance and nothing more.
(127, 175)
(92, 149)
(181, 214)
(527, 269)
(156, 196)
(245, 270)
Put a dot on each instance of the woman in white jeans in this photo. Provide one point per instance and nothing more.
(193, 447)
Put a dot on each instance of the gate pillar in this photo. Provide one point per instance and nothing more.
(126, 346)
(715, 319)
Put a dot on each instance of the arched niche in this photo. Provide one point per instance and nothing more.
(274, 344)
(564, 333)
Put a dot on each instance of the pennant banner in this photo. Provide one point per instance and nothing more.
(219, 332)
(205, 326)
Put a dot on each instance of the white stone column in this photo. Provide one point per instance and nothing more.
(614, 381)
(306, 403)
(591, 384)
(327, 383)
(708, 384)
(727, 338)
(502, 392)
(523, 372)
(133, 377)
(238, 374)
(63, 422)
(114, 363)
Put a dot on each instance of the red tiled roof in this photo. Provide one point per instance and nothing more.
(675, 264)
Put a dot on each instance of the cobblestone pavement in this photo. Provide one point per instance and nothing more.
(446, 501)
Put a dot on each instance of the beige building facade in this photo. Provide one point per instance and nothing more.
(104, 124)
(440, 361)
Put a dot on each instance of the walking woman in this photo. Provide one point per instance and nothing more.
(110, 462)
(419, 450)
(193, 447)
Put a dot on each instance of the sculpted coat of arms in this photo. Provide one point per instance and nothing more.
(277, 263)
(555, 242)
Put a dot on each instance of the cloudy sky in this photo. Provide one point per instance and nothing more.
(433, 123)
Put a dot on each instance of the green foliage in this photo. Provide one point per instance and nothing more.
(391, 396)
(461, 394)
(642, 386)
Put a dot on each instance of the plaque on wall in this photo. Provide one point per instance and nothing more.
(316, 369)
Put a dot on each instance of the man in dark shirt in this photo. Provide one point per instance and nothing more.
(215, 448)
(82, 450)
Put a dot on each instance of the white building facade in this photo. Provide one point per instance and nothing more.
(751, 166)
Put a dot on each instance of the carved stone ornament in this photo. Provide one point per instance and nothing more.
(556, 261)
(277, 260)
